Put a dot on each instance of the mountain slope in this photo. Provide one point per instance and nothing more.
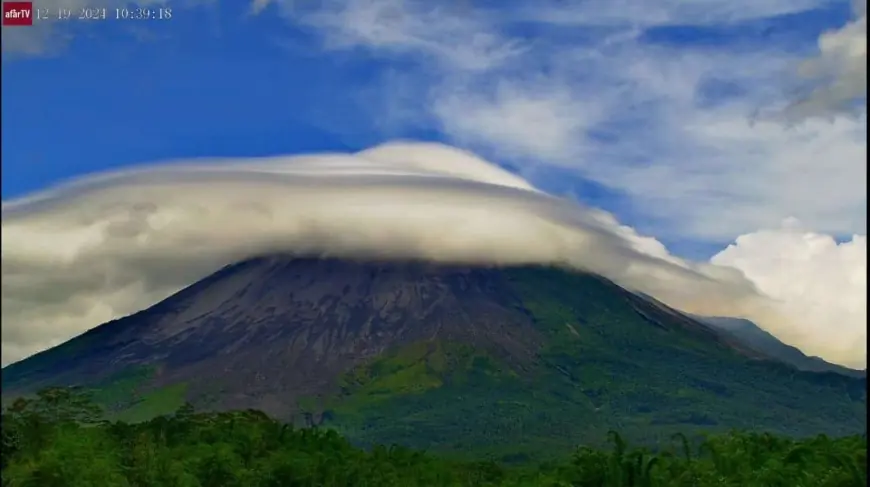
(511, 361)
(754, 337)
(274, 329)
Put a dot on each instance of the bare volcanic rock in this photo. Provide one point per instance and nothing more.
(268, 330)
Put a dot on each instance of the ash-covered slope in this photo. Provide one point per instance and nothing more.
(440, 356)
(272, 329)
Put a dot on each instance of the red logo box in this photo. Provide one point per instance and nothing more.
(17, 13)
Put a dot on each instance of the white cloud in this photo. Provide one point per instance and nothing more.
(538, 119)
(107, 246)
(698, 171)
(456, 37)
(689, 134)
(727, 176)
(839, 71)
(815, 281)
(662, 12)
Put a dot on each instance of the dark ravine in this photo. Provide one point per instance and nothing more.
(442, 355)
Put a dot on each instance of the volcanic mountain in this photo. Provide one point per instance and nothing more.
(513, 360)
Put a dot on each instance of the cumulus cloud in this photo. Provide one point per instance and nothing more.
(814, 280)
(109, 245)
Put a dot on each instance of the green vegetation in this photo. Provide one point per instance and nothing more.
(119, 391)
(602, 367)
(57, 439)
(155, 403)
(128, 397)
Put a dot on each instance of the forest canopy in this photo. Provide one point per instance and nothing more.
(59, 439)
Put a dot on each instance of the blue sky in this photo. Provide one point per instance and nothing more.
(216, 80)
(219, 86)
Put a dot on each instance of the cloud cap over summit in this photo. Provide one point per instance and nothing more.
(106, 246)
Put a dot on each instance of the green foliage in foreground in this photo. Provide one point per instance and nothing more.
(58, 440)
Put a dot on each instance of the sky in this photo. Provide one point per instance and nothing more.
(722, 135)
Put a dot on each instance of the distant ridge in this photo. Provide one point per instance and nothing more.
(756, 338)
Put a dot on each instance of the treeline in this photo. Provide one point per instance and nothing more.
(58, 439)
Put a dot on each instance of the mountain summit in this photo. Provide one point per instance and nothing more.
(448, 357)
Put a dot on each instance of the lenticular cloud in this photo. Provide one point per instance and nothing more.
(102, 247)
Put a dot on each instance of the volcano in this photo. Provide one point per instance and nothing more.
(508, 360)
